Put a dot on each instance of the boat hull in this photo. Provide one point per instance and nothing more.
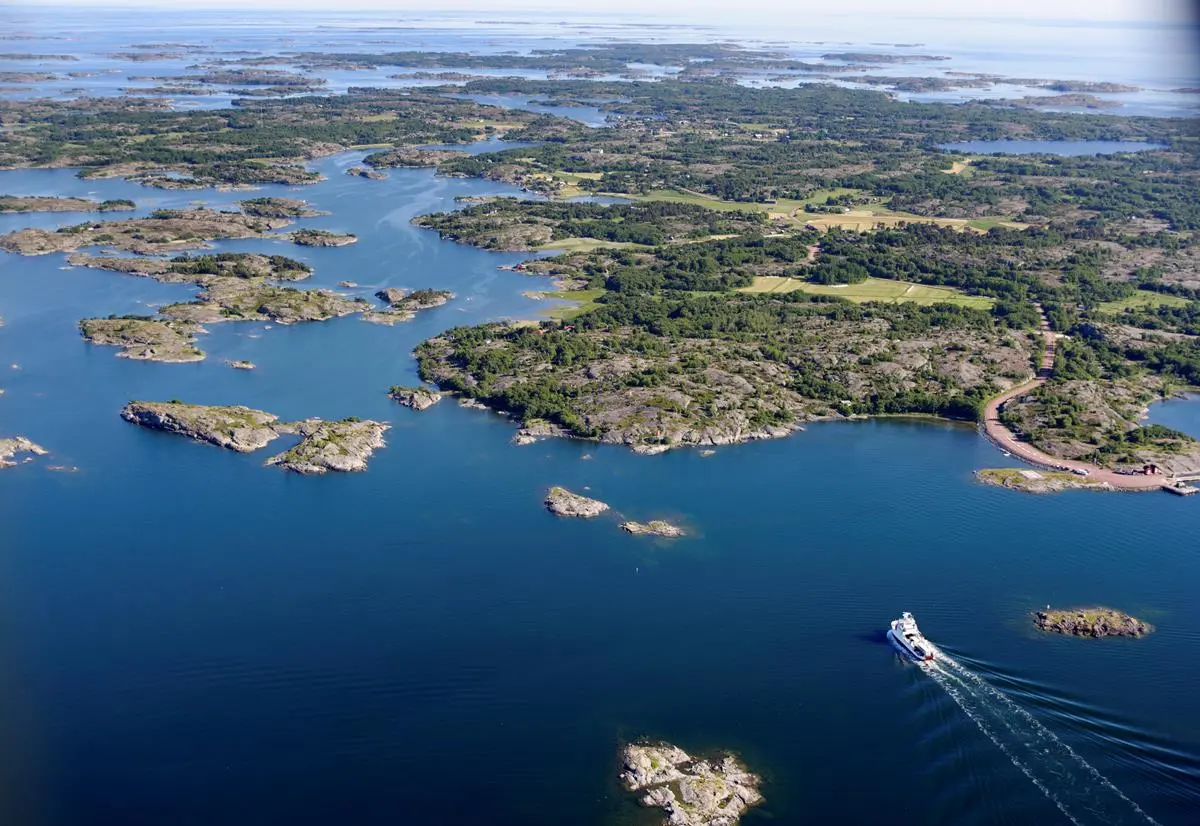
(916, 656)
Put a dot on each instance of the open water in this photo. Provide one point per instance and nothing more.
(188, 637)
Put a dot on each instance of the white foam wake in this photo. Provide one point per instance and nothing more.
(1076, 787)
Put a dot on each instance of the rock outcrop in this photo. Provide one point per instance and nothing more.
(656, 527)
(17, 445)
(404, 305)
(418, 398)
(561, 502)
(1093, 622)
(237, 428)
(693, 792)
(344, 445)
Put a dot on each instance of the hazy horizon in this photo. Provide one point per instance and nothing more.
(705, 10)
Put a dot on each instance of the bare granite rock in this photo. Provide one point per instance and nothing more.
(344, 445)
(693, 792)
(418, 398)
(1093, 622)
(19, 444)
(237, 428)
(561, 502)
(239, 364)
(656, 527)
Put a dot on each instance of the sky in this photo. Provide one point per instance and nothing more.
(1094, 10)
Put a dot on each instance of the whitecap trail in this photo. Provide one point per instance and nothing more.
(1081, 793)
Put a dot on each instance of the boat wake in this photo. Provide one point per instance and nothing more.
(1080, 792)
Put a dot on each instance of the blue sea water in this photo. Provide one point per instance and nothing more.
(189, 637)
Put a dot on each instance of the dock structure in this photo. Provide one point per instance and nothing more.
(1181, 489)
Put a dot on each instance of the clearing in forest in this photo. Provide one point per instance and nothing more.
(873, 289)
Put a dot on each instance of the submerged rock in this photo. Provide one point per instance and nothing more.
(344, 445)
(237, 428)
(693, 792)
(18, 444)
(656, 527)
(418, 398)
(1093, 622)
(561, 502)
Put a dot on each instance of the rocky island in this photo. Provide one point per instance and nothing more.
(18, 445)
(655, 527)
(418, 398)
(366, 172)
(343, 445)
(1095, 622)
(57, 203)
(693, 792)
(404, 305)
(165, 230)
(236, 428)
(145, 338)
(279, 208)
(321, 238)
(561, 502)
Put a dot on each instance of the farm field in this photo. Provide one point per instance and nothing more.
(873, 289)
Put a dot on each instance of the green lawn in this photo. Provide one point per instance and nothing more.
(1144, 298)
(581, 302)
(873, 289)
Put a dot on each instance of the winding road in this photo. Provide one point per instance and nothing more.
(1007, 440)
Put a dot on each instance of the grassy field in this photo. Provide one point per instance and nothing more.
(873, 289)
(1144, 298)
(587, 245)
(581, 302)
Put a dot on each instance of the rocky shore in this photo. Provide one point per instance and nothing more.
(418, 398)
(1038, 481)
(1095, 622)
(279, 208)
(693, 792)
(18, 445)
(561, 502)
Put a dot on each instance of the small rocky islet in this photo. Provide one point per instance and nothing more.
(1095, 622)
(418, 398)
(16, 446)
(562, 502)
(692, 791)
(344, 445)
(403, 305)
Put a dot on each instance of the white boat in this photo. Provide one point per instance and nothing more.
(905, 635)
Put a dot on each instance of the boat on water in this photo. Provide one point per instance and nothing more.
(905, 635)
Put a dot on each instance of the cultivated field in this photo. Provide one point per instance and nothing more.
(873, 289)
(1144, 298)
